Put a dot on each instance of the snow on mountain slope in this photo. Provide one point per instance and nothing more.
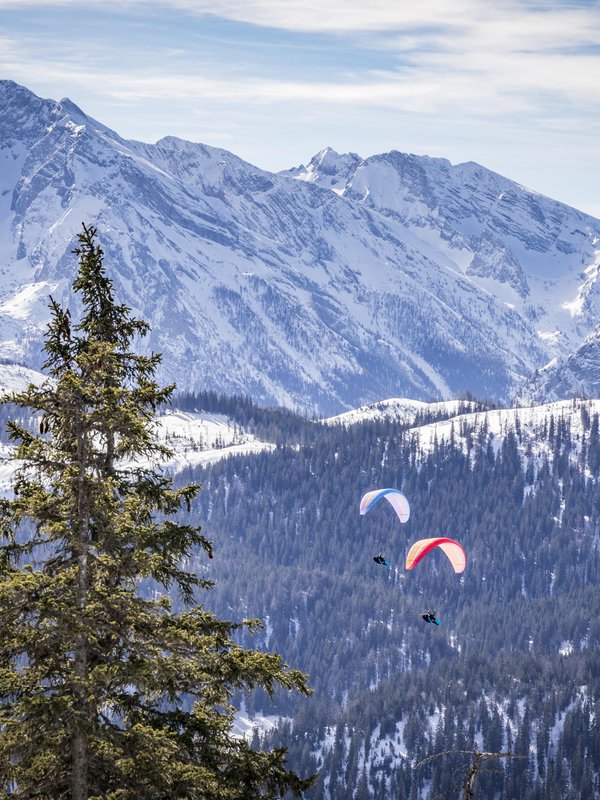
(538, 255)
(401, 410)
(576, 374)
(16, 378)
(202, 438)
(460, 424)
(278, 288)
(526, 423)
(194, 437)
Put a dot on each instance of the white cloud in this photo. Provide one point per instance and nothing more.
(534, 24)
(524, 70)
(474, 84)
(503, 56)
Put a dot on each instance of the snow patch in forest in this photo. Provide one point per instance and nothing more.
(195, 438)
(245, 725)
(566, 648)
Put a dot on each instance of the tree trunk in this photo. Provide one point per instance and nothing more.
(79, 778)
(468, 787)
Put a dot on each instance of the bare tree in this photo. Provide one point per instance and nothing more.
(479, 757)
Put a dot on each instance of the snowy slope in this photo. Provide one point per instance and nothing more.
(526, 422)
(459, 425)
(281, 288)
(575, 374)
(194, 438)
(201, 438)
(538, 255)
(198, 438)
(16, 378)
(400, 410)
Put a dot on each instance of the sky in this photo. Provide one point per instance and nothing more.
(511, 84)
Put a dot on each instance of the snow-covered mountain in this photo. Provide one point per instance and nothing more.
(540, 256)
(573, 375)
(199, 438)
(411, 277)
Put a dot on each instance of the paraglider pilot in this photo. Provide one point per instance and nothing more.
(379, 559)
(429, 616)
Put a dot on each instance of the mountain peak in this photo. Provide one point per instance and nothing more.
(8, 87)
(327, 168)
(329, 160)
(422, 280)
(325, 158)
(72, 109)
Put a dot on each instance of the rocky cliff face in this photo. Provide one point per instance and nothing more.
(539, 256)
(574, 375)
(333, 285)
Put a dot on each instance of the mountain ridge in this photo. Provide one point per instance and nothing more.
(260, 283)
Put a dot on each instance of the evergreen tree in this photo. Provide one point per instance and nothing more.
(105, 693)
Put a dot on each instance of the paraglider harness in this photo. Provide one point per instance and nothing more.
(379, 559)
(429, 616)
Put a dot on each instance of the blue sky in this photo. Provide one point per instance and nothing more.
(512, 84)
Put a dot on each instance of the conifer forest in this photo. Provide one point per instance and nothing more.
(202, 586)
(514, 666)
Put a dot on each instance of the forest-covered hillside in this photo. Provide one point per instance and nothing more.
(515, 664)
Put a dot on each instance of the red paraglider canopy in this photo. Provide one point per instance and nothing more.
(454, 551)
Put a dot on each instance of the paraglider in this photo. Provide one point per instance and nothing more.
(452, 549)
(379, 559)
(394, 497)
(398, 502)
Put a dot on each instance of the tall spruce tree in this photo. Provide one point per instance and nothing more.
(105, 693)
